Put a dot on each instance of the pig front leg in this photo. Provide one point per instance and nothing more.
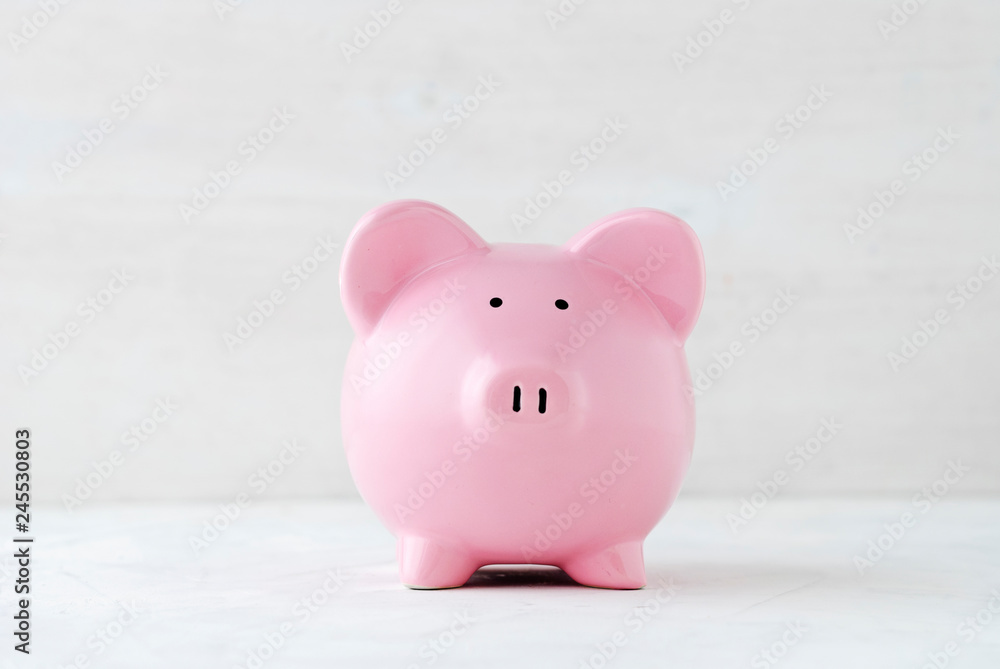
(619, 567)
(425, 564)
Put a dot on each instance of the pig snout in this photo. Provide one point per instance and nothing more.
(528, 395)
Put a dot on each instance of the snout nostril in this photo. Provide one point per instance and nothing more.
(526, 395)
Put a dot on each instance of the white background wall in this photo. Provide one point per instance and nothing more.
(162, 336)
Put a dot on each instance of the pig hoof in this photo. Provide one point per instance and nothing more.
(428, 565)
(619, 567)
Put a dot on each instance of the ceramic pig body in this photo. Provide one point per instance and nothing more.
(518, 403)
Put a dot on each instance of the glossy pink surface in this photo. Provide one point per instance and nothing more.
(535, 431)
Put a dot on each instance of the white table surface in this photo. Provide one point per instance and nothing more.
(736, 594)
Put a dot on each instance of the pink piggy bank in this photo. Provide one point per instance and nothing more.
(519, 403)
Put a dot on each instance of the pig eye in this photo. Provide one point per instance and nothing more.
(562, 304)
(496, 302)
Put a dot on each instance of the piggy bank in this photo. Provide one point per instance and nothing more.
(519, 403)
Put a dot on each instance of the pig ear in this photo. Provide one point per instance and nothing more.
(389, 246)
(659, 253)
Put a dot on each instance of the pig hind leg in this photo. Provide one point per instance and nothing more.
(619, 567)
(425, 564)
